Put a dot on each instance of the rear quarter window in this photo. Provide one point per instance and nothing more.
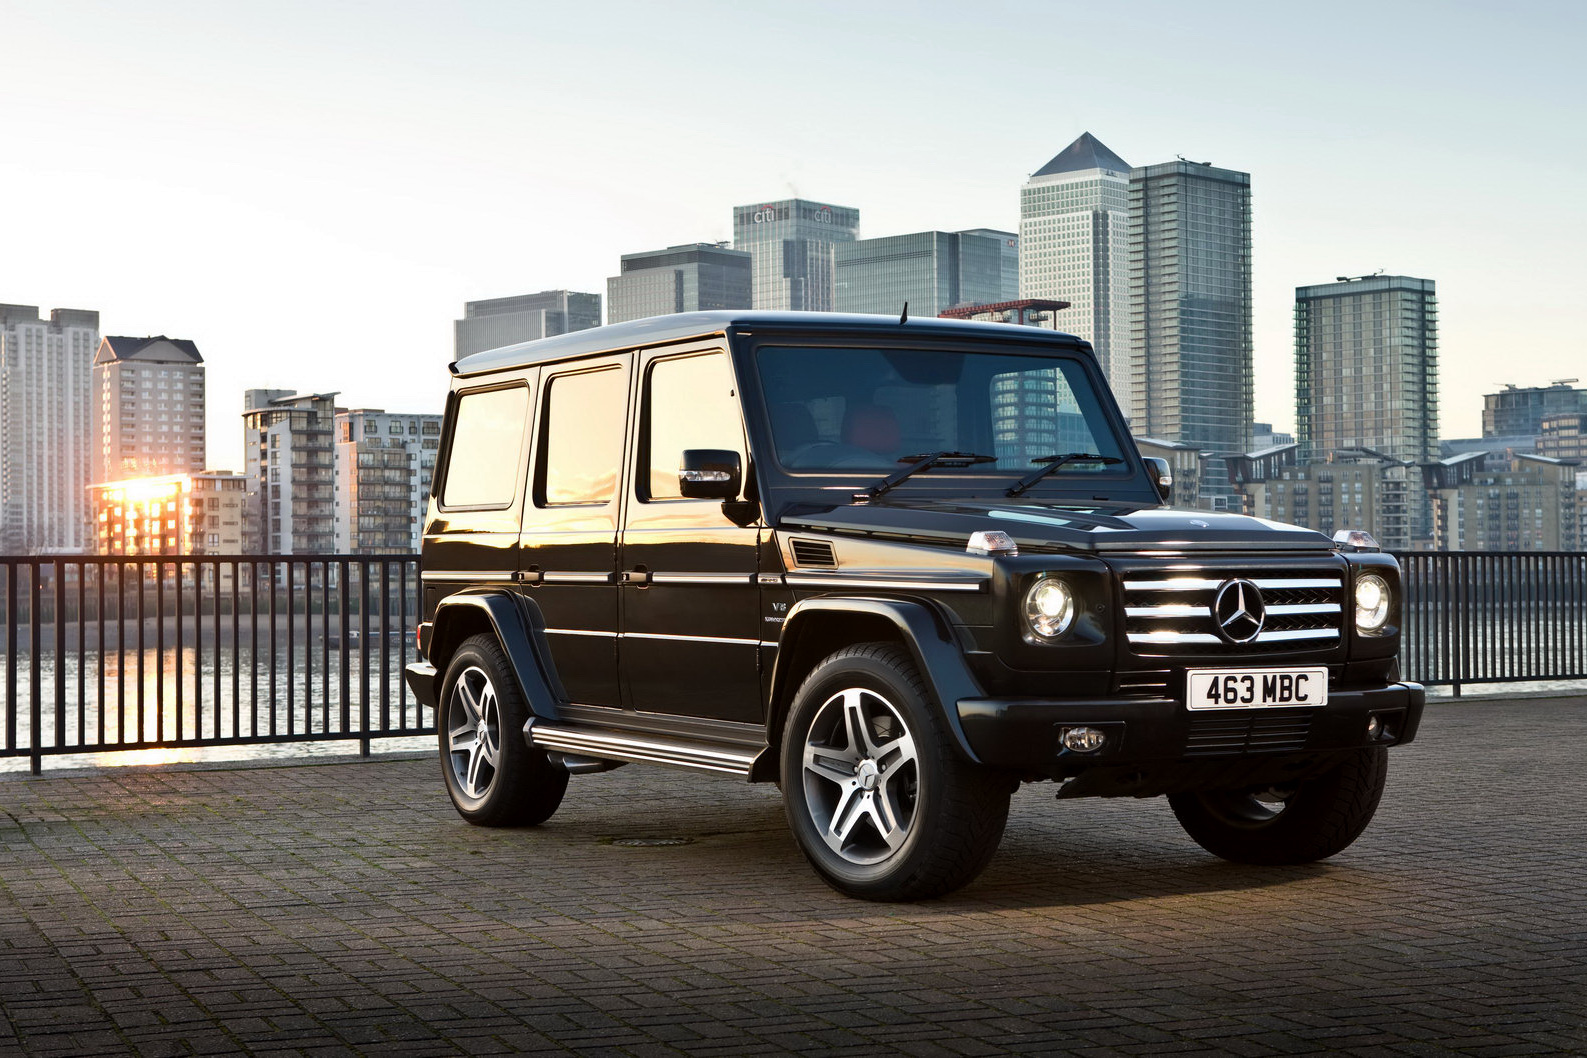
(487, 449)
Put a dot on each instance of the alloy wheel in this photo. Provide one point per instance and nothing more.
(474, 733)
(861, 774)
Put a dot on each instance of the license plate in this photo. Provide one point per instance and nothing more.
(1255, 688)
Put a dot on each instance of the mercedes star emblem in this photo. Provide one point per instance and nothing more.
(1239, 611)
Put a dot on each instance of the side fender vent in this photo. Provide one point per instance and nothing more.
(817, 553)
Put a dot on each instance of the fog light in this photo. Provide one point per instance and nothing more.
(1374, 726)
(1083, 739)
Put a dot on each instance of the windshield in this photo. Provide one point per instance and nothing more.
(857, 409)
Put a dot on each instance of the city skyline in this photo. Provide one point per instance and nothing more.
(374, 176)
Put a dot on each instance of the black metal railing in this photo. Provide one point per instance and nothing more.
(121, 653)
(1490, 617)
(107, 653)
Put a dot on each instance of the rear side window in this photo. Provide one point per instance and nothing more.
(583, 446)
(487, 449)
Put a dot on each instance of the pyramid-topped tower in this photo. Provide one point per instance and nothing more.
(1073, 219)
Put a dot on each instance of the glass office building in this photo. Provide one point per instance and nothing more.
(931, 270)
(1073, 246)
(678, 279)
(496, 322)
(1190, 312)
(792, 244)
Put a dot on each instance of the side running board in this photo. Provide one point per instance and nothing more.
(629, 746)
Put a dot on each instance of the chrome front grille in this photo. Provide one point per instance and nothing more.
(1170, 613)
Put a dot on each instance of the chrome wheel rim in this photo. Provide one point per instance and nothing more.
(861, 775)
(474, 734)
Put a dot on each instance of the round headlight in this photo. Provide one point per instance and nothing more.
(1049, 607)
(1372, 602)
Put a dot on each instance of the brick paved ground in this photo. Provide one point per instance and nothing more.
(345, 908)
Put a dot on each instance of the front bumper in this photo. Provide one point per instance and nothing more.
(1159, 745)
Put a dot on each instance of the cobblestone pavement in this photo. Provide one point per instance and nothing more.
(344, 907)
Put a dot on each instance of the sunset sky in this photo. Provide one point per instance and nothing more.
(310, 191)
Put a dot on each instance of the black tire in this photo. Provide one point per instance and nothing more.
(1306, 821)
(493, 777)
(917, 821)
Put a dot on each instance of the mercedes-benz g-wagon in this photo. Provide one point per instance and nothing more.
(898, 568)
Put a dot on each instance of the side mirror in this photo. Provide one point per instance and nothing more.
(710, 474)
(1162, 476)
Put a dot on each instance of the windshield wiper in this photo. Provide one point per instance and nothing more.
(1053, 463)
(919, 462)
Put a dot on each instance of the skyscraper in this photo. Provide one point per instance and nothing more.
(686, 278)
(49, 432)
(931, 270)
(150, 394)
(1366, 367)
(1073, 246)
(496, 322)
(1190, 312)
(792, 244)
(288, 455)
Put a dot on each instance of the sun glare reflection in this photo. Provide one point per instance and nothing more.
(144, 757)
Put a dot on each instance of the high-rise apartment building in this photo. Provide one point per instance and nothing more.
(1366, 367)
(931, 270)
(1518, 411)
(384, 462)
(686, 278)
(496, 322)
(1190, 312)
(150, 395)
(288, 455)
(1074, 246)
(1366, 376)
(49, 432)
(792, 243)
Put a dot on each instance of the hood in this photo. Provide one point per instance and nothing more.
(1050, 527)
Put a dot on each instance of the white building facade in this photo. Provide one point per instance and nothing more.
(1074, 247)
(49, 432)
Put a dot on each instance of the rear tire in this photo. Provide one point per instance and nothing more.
(492, 776)
(880, 803)
(1300, 823)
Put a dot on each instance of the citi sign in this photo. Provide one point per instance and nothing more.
(769, 214)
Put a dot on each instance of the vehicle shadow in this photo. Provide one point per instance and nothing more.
(1074, 854)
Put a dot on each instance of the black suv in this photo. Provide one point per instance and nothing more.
(896, 567)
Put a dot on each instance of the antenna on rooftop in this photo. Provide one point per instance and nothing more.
(903, 317)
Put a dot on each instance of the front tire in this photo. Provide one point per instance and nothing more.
(492, 776)
(878, 800)
(1302, 822)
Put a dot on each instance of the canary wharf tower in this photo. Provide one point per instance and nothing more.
(1073, 246)
(792, 248)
